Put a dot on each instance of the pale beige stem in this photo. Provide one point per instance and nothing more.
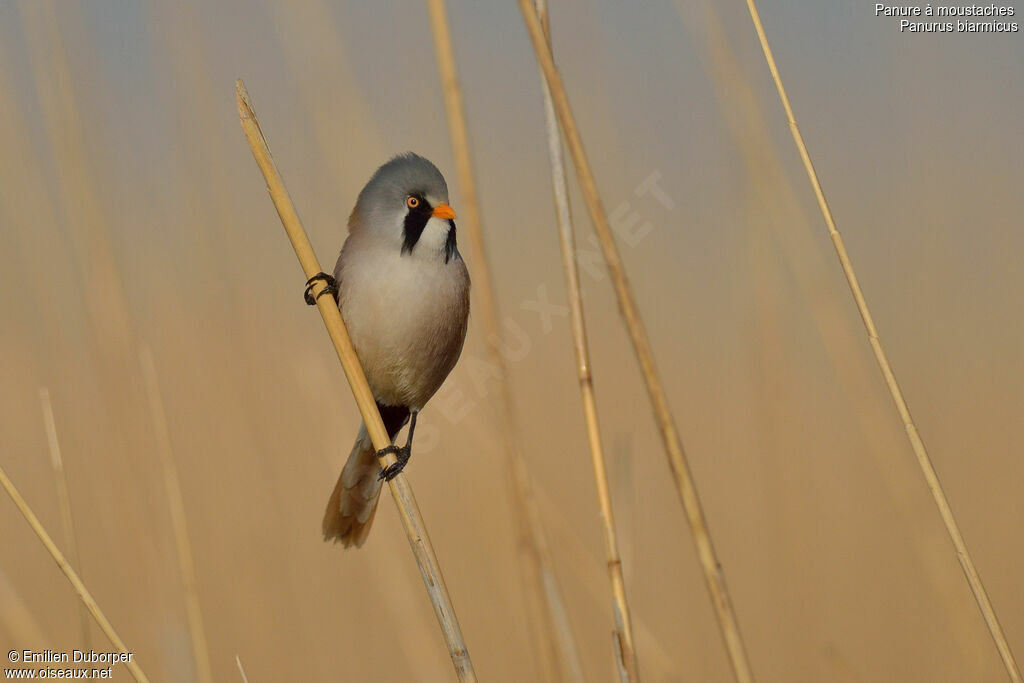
(551, 633)
(176, 504)
(69, 572)
(64, 501)
(770, 193)
(241, 669)
(923, 459)
(712, 568)
(401, 491)
(659, 662)
(625, 651)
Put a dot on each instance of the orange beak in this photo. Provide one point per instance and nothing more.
(444, 211)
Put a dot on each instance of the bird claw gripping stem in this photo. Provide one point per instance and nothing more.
(332, 287)
(402, 454)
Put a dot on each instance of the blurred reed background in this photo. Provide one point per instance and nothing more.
(132, 217)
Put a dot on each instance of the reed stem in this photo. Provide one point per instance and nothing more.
(64, 501)
(923, 459)
(241, 669)
(401, 490)
(72, 576)
(713, 573)
(625, 650)
(553, 637)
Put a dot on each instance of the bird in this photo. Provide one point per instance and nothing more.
(403, 291)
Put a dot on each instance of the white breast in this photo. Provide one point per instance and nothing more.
(406, 314)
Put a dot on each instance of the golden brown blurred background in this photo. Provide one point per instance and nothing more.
(132, 217)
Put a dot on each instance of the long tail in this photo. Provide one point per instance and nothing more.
(353, 503)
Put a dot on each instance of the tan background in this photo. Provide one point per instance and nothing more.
(131, 214)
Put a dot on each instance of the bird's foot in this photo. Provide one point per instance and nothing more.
(332, 288)
(402, 455)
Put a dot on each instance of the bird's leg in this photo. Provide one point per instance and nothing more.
(402, 454)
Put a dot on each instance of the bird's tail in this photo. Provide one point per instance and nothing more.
(353, 503)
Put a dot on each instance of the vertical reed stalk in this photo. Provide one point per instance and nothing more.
(69, 572)
(659, 663)
(401, 491)
(176, 504)
(710, 564)
(625, 651)
(553, 637)
(923, 459)
(64, 501)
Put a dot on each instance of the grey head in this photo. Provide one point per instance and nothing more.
(405, 206)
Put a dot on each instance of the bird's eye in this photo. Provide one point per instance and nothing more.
(412, 202)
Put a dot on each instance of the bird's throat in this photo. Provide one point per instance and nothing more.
(429, 237)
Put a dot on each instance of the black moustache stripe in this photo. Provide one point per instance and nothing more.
(449, 244)
(415, 221)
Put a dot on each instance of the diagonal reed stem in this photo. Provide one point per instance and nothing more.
(923, 459)
(64, 500)
(72, 576)
(241, 669)
(401, 491)
(176, 505)
(713, 574)
(551, 632)
(625, 650)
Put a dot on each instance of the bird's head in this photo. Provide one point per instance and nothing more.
(405, 206)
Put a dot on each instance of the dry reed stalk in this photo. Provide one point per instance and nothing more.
(415, 646)
(176, 505)
(63, 500)
(659, 663)
(69, 572)
(923, 459)
(743, 113)
(712, 568)
(625, 651)
(553, 637)
(401, 491)
(241, 669)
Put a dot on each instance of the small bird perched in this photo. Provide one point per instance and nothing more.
(403, 291)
